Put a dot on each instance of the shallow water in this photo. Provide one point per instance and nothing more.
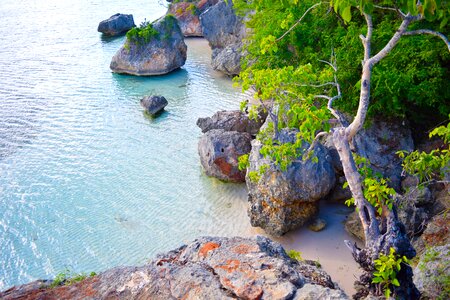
(87, 181)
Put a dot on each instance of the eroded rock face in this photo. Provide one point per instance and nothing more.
(115, 25)
(230, 120)
(224, 32)
(188, 13)
(207, 268)
(219, 151)
(432, 274)
(282, 201)
(162, 54)
(154, 104)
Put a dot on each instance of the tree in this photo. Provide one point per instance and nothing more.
(299, 104)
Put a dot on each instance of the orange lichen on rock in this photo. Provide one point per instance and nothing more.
(210, 246)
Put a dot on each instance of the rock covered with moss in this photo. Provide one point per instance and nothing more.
(282, 200)
(151, 49)
(207, 268)
(188, 12)
(116, 25)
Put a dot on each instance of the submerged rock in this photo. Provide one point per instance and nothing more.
(224, 31)
(188, 13)
(219, 151)
(284, 200)
(154, 104)
(116, 25)
(231, 120)
(207, 268)
(162, 52)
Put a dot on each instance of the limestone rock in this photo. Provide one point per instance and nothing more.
(284, 200)
(188, 12)
(207, 268)
(224, 32)
(163, 53)
(432, 274)
(154, 104)
(230, 120)
(354, 227)
(219, 151)
(116, 25)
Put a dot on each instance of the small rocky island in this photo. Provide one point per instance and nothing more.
(151, 49)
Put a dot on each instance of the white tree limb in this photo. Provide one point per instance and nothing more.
(431, 32)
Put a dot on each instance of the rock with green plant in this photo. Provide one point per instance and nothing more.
(154, 48)
(188, 15)
(116, 25)
(282, 198)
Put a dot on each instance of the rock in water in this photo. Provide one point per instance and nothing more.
(284, 200)
(224, 32)
(219, 151)
(187, 14)
(116, 25)
(231, 120)
(207, 268)
(161, 52)
(317, 225)
(154, 104)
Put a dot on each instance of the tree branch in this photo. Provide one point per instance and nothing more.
(431, 32)
(313, 144)
(299, 20)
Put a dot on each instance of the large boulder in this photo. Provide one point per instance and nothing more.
(230, 120)
(380, 141)
(219, 151)
(224, 31)
(207, 268)
(116, 25)
(162, 52)
(432, 274)
(154, 104)
(284, 200)
(188, 13)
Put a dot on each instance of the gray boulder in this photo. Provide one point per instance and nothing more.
(219, 151)
(380, 142)
(188, 13)
(117, 24)
(207, 268)
(154, 104)
(432, 274)
(224, 32)
(284, 200)
(161, 54)
(231, 120)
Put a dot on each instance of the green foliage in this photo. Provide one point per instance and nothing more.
(192, 8)
(296, 255)
(142, 34)
(375, 187)
(386, 269)
(429, 165)
(68, 277)
(243, 162)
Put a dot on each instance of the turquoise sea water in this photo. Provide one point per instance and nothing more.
(87, 181)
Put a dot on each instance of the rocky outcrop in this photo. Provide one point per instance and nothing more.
(162, 52)
(224, 32)
(207, 268)
(432, 274)
(188, 12)
(154, 104)
(353, 226)
(117, 24)
(231, 120)
(219, 151)
(284, 200)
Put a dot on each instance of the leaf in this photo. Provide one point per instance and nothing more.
(346, 14)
